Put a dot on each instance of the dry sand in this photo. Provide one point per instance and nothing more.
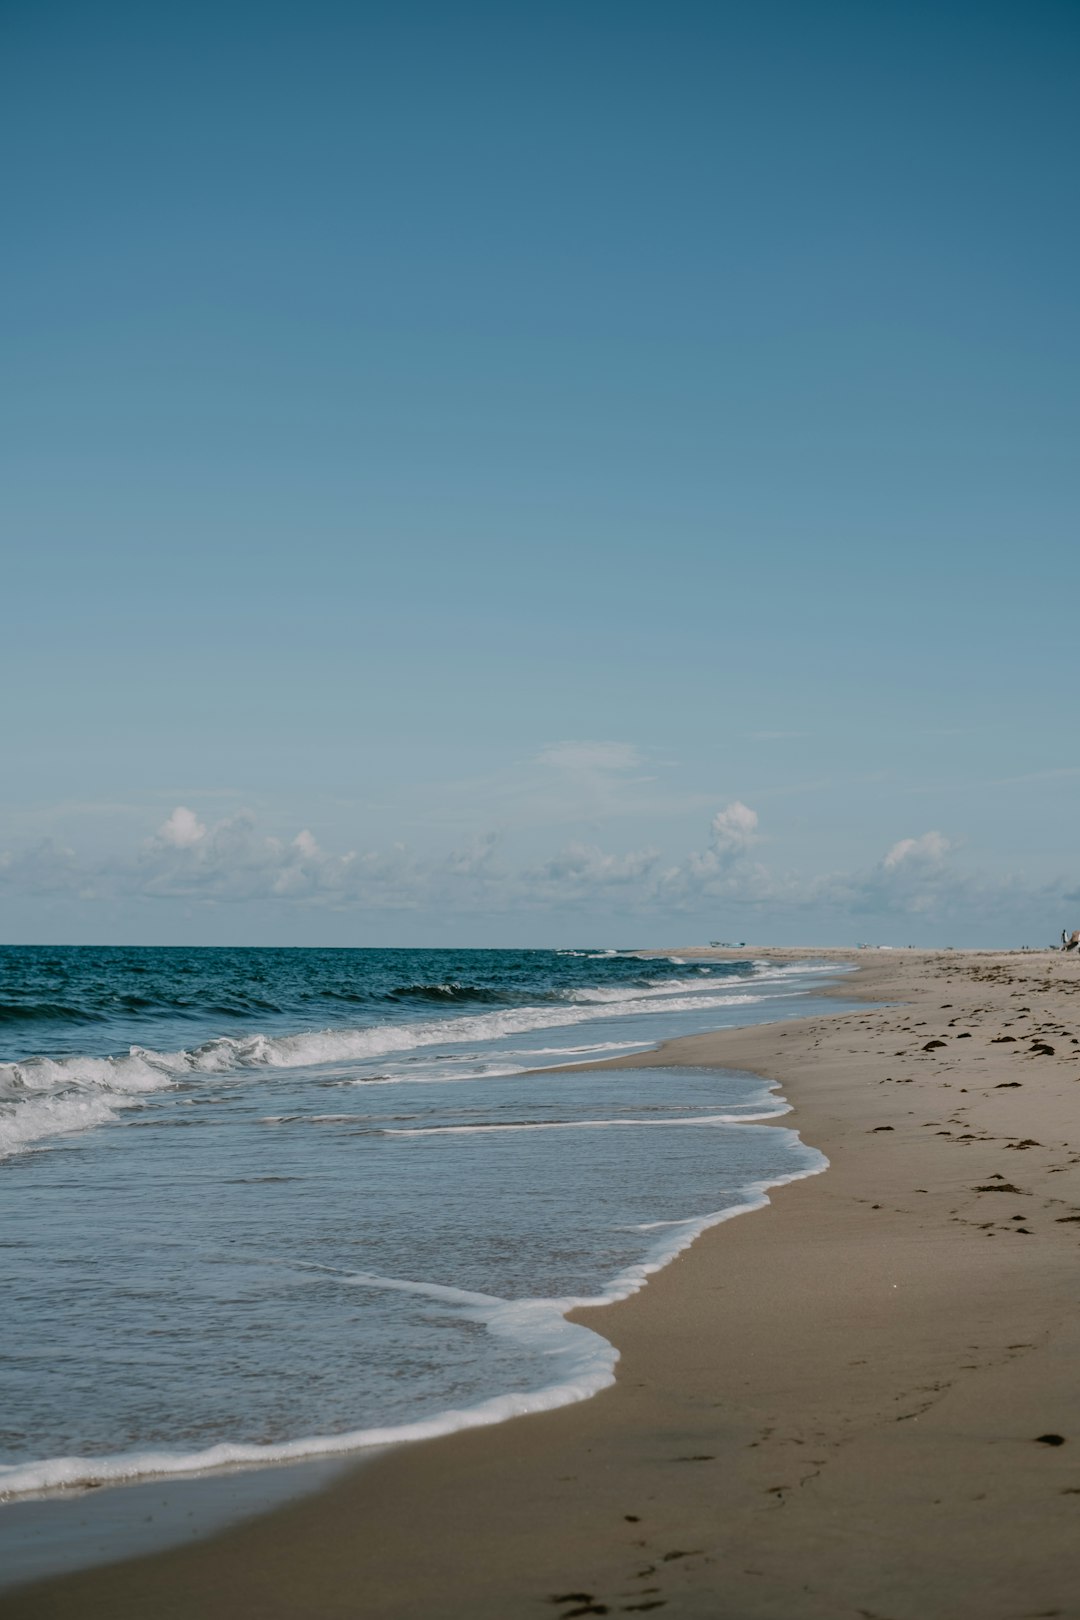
(863, 1401)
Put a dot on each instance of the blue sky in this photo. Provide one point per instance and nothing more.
(453, 454)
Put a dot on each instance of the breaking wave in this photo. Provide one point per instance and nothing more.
(42, 1097)
(50, 1096)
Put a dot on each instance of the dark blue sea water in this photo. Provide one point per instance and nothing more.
(265, 1204)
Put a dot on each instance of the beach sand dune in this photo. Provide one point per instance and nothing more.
(862, 1401)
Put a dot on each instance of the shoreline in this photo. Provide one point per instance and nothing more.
(70, 1478)
(831, 1409)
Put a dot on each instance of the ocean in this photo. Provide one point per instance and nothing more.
(258, 1205)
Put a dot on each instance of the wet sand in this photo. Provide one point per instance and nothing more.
(862, 1401)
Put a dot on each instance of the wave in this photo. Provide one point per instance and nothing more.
(47, 1012)
(452, 990)
(573, 1124)
(576, 1051)
(82, 1091)
(596, 994)
(143, 1069)
(41, 1117)
(584, 1360)
(15, 1012)
(588, 1365)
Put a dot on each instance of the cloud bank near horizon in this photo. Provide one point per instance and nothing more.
(231, 861)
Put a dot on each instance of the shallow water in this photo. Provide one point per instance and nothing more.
(279, 1258)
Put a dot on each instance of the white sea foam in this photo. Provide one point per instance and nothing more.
(764, 969)
(576, 1051)
(142, 1069)
(39, 1117)
(87, 1091)
(579, 1124)
(655, 989)
(586, 1365)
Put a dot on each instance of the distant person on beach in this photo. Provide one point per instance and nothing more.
(1070, 942)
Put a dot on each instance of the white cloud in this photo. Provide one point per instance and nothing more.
(586, 867)
(182, 829)
(734, 829)
(232, 861)
(928, 849)
(915, 879)
(723, 869)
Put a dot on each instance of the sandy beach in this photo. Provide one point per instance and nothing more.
(861, 1401)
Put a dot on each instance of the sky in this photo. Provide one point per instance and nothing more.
(519, 474)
